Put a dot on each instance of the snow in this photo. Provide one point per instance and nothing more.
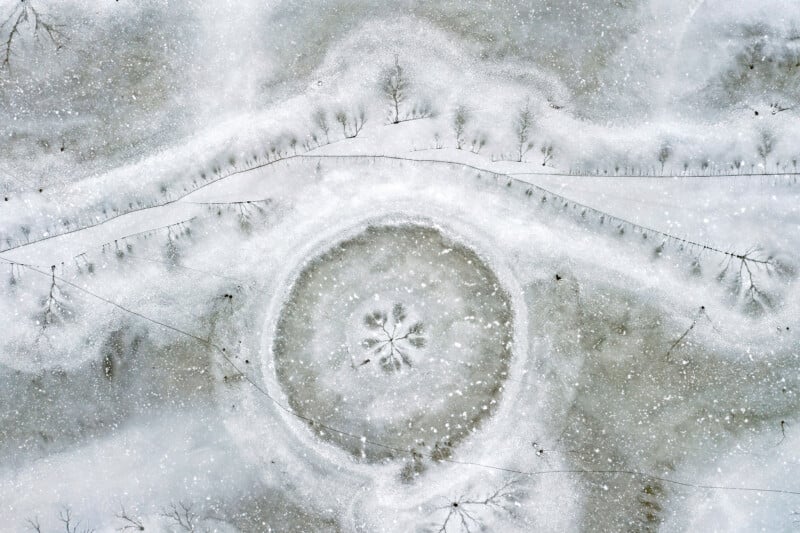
(607, 342)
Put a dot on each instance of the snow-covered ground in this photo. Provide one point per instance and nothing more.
(367, 267)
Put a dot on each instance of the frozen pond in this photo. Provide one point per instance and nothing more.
(399, 335)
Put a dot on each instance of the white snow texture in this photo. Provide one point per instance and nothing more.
(370, 266)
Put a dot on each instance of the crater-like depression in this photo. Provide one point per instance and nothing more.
(399, 336)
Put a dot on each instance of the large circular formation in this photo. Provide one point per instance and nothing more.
(399, 336)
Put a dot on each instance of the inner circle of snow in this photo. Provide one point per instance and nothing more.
(399, 336)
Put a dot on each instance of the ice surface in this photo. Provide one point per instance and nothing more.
(396, 335)
(242, 291)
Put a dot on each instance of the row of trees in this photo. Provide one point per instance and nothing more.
(763, 149)
(396, 87)
(178, 517)
(462, 513)
(522, 125)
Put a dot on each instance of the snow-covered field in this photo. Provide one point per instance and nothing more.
(369, 266)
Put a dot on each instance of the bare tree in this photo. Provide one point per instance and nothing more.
(359, 118)
(341, 117)
(460, 118)
(764, 146)
(478, 142)
(65, 516)
(547, 153)
(351, 123)
(181, 515)
(54, 307)
(664, 153)
(522, 129)
(421, 109)
(320, 119)
(740, 273)
(128, 521)
(395, 85)
(700, 314)
(463, 513)
(33, 524)
(26, 15)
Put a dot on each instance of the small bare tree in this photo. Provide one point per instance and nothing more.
(701, 313)
(341, 117)
(664, 153)
(351, 123)
(25, 15)
(547, 153)
(128, 521)
(359, 119)
(522, 130)
(181, 515)
(320, 118)
(460, 118)
(478, 142)
(33, 524)
(65, 517)
(740, 273)
(764, 146)
(395, 85)
(463, 512)
(54, 308)
(421, 109)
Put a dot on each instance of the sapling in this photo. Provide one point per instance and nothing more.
(320, 118)
(547, 153)
(394, 85)
(764, 147)
(664, 153)
(460, 118)
(478, 142)
(522, 130)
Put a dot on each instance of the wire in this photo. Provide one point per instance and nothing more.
(360, 438)
(307, 155)
(559, 197)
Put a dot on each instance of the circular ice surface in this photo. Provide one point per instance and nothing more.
(398, 336)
